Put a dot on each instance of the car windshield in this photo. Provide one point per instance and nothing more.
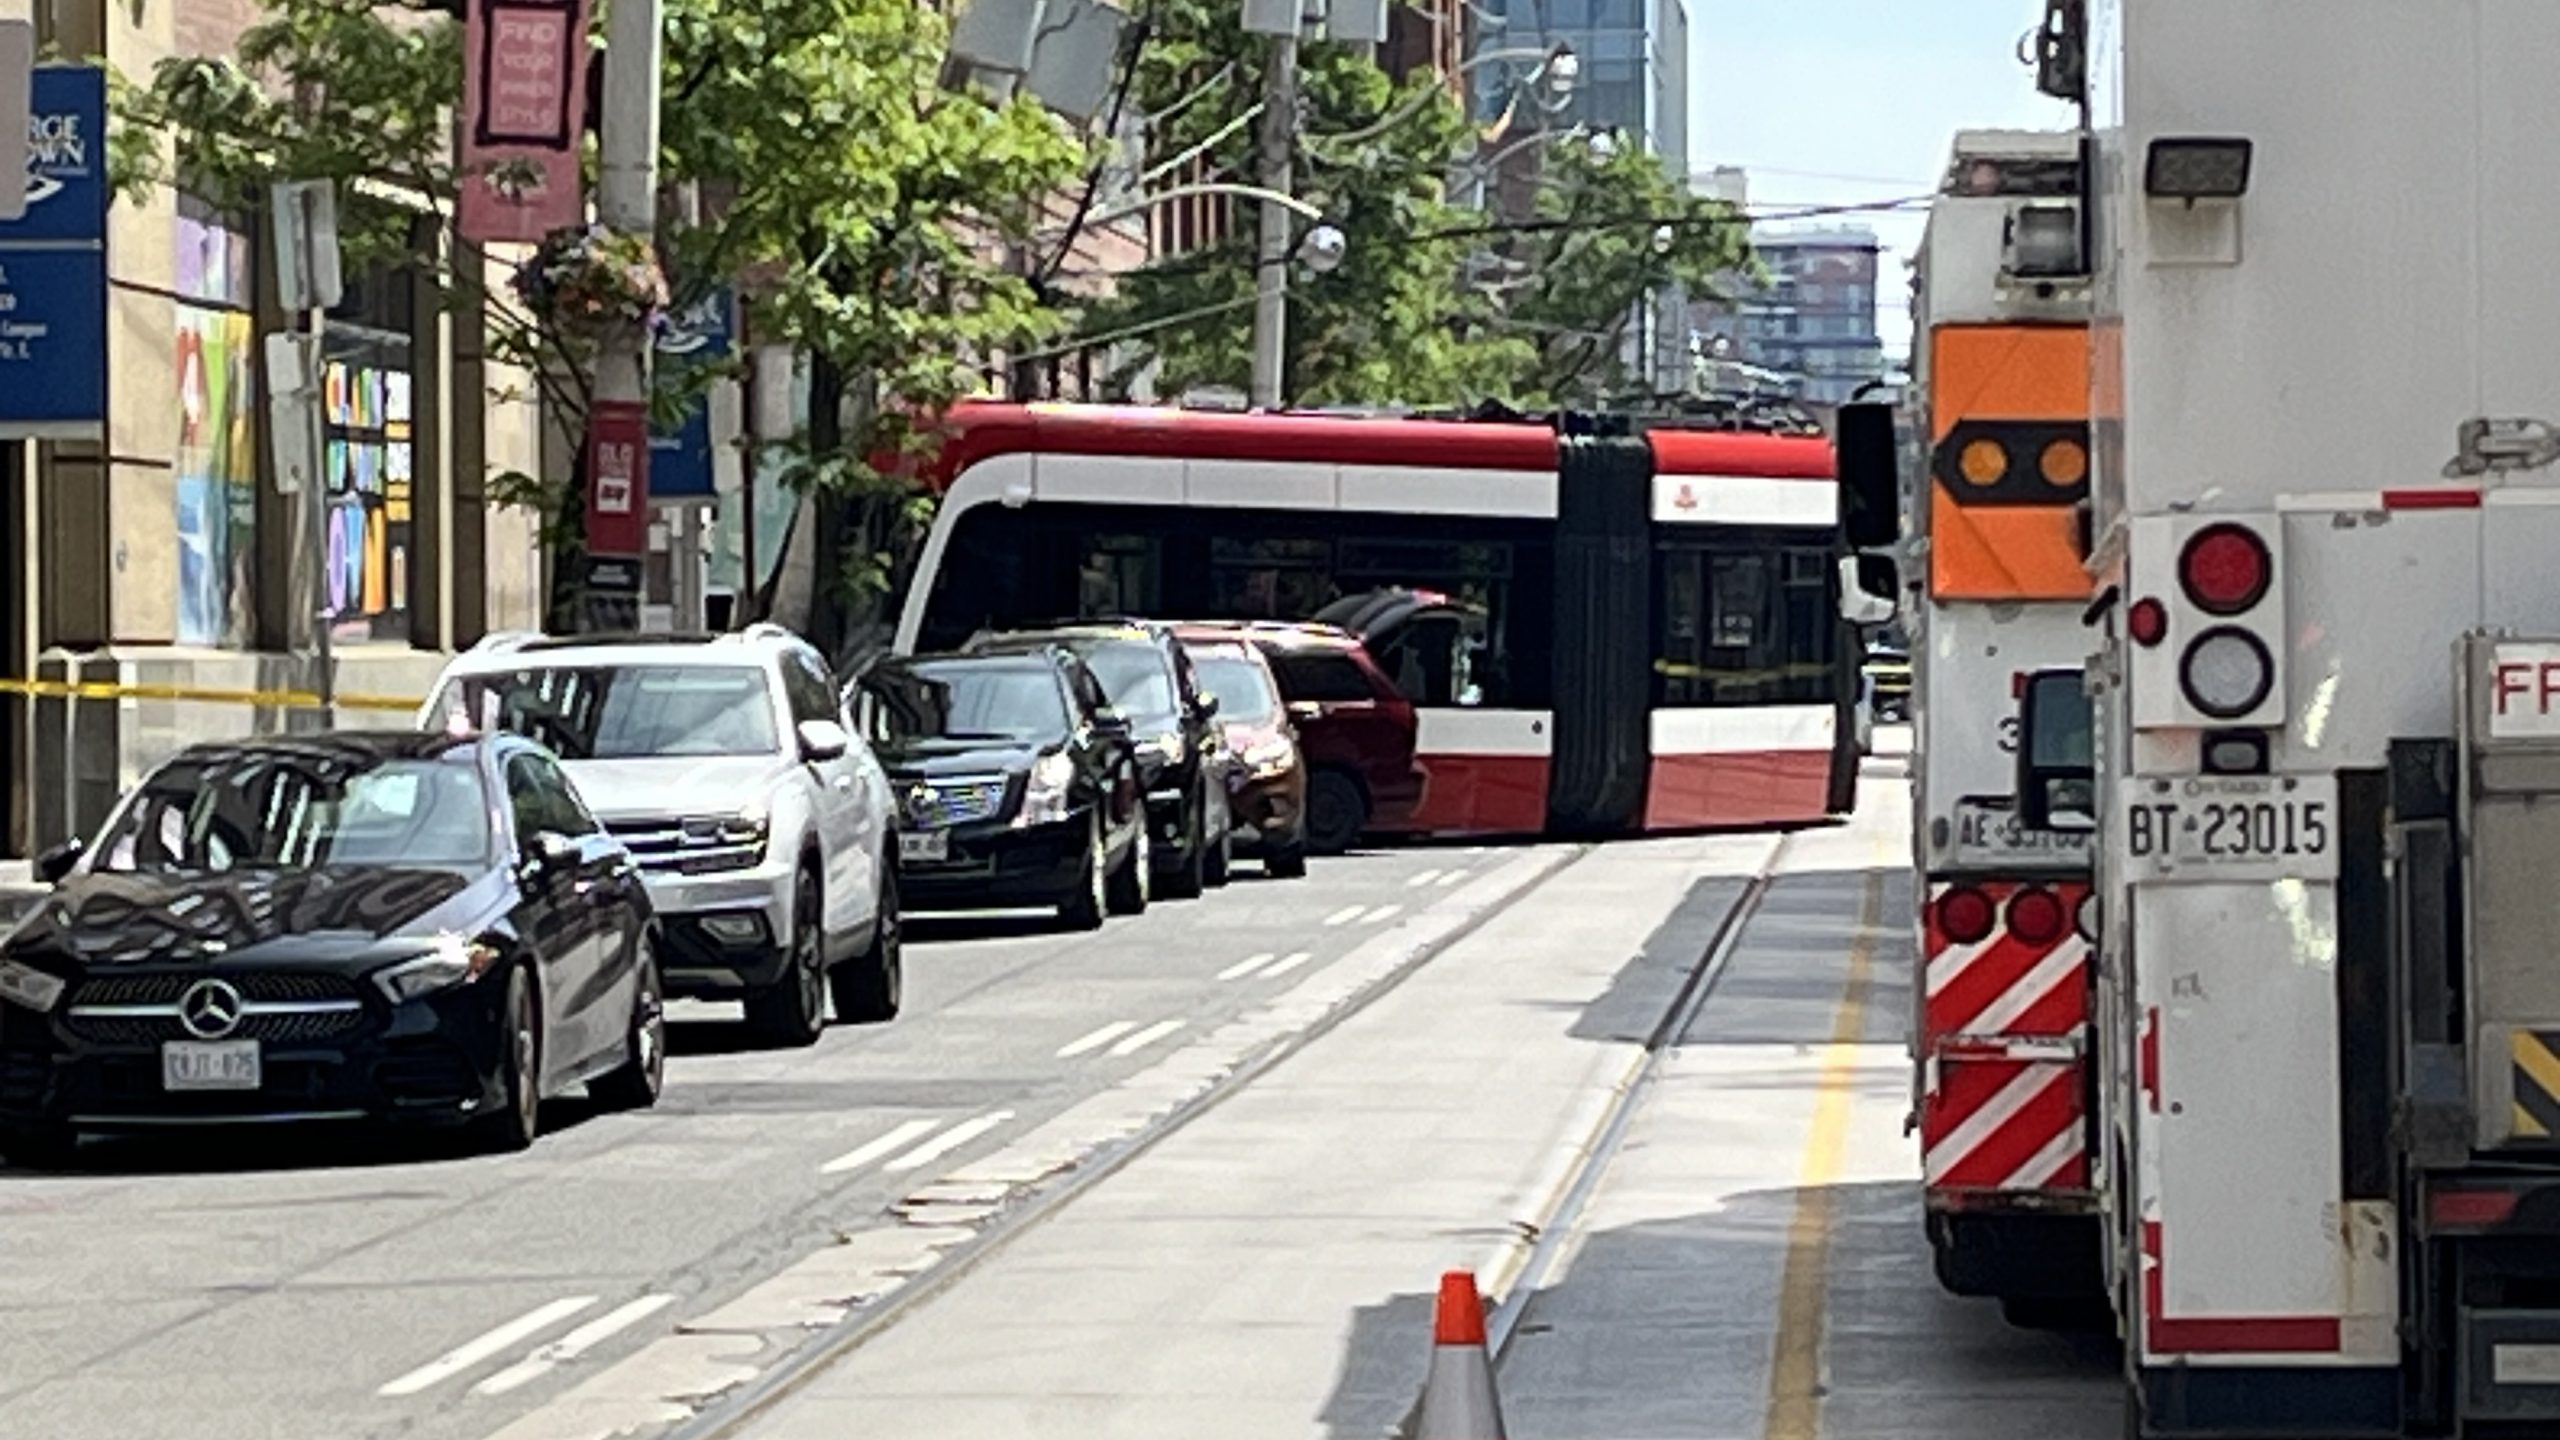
(1134, 675)
(962, 701)
(279, 810)
(624, 712)
(1242, 687)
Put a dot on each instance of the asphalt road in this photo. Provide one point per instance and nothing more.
(333, 1286)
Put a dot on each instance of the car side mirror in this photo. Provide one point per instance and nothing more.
(1208, 707)
(549, 855)
(56, 864)
(2057, 767)
(823, 740)
(1868, 461)
(1111, 722)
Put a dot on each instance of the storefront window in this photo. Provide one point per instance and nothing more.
(217, 465)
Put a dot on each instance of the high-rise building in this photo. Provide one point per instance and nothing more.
(1813, 319)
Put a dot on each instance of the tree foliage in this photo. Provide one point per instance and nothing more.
(1432, 304)
(859, 207)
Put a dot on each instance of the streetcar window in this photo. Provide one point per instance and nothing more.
(1740, 623)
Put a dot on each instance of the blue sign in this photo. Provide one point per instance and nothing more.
(53, 340)
(680, 460)
(66, 157)
(53, 264)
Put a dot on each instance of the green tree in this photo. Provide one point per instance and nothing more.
(856, 202)
(1612, 227)
(1392, 323)
(1434, 304)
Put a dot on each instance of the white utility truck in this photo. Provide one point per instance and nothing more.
(2319, 734)
(1996, 568)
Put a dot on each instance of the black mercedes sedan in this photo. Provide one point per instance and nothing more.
(348, 926)
(1018, 784)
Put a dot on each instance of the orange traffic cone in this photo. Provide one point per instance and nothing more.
(1458, 1400)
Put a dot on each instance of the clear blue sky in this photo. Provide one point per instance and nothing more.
(1840, 101)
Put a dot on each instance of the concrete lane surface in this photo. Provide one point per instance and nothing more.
(1752, 1263)
(314, 1285)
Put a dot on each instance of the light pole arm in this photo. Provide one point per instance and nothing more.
(1122, 209)
(1414, 106)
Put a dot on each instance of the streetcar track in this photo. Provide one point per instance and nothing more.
(727, 1415)
(1550, 1233)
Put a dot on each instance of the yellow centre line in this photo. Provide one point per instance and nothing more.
(1795, 1369)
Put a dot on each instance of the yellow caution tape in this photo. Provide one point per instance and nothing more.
(272, 699)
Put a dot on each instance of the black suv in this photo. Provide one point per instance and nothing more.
(1182, 750)
(1016, 781)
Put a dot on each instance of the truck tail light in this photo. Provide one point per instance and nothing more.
(2035, 916)
(2147, 622)
(2471, 1209)
(1966, 916)
(2225, 569)
(2227, 672)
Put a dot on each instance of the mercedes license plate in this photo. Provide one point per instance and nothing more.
(210, 1065)
(2233, 827)
(925, 845)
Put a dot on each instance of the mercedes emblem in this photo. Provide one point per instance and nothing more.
(211, 1009)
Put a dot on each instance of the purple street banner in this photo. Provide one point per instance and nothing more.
(525, 104)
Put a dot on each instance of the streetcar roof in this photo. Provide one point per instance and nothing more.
(980, 430)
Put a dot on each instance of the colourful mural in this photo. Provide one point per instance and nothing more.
(371, 470)
(217, 459)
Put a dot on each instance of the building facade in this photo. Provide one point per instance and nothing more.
(1809, 327)
(158, 556)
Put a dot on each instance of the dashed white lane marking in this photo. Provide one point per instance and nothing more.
(1422, 878)
(1245, 966)
(1292, 961)
(1096, 1039)
(471, 1352)
(948, 1141)
(572, 1345)
(1381, 913)
(1452, 878)
(889, 1144)
(1146, 1037)
(1345, 915)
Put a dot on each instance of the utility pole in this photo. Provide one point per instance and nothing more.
(627, 191)
(1271, 257)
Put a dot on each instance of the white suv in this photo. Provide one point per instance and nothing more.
(763, 826)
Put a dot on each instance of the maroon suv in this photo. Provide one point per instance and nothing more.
(1356, 731)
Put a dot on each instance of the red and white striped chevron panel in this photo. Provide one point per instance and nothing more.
(2003, 1020)
(2000, 1124)
(2002, 983)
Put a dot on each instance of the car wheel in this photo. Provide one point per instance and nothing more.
(1286, 862)
(643, 1075)
(793, 1010)
(867, 991)
(1192, 875)
(1134, 883)
(1083, 909)
(40, 1147)
(519, 1119)
(1337, 811)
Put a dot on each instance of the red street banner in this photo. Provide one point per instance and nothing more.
(617, 478)
(524, 95)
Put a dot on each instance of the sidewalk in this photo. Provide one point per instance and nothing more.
(1268, 1271)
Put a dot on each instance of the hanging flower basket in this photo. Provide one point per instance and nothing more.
(593, 281)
